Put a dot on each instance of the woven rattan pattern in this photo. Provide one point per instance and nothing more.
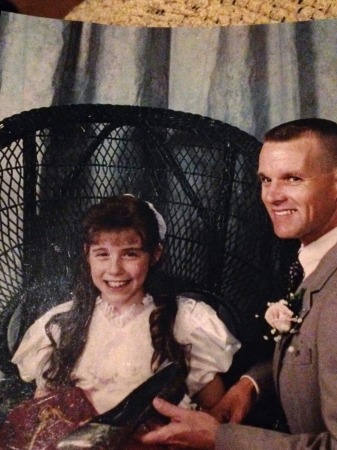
(168, 13)
(200, 173)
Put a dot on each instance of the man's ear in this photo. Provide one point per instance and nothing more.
(157, 254)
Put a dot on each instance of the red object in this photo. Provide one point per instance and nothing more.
(39, 423)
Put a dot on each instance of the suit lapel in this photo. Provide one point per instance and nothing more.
(286, 339)
(312, 284)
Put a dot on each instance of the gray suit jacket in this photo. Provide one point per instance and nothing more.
(305, 378)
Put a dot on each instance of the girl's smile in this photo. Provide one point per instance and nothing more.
(119, 266)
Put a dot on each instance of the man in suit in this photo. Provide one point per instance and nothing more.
(298, 173)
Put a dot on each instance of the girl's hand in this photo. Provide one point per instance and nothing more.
(194, 429)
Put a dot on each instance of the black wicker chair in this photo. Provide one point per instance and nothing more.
(200, 173)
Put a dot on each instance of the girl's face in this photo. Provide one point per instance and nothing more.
(119, 266)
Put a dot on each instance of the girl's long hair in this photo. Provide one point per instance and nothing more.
(113, 214)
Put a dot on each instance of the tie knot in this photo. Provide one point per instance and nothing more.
(295, 276)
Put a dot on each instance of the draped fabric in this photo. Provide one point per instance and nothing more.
(253, 77)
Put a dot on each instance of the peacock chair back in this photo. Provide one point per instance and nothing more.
(200, 173)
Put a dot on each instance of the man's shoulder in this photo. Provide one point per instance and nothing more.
(325, 271)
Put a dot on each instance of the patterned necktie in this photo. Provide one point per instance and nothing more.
(296, 274)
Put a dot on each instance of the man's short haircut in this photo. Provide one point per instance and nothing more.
(324, 129)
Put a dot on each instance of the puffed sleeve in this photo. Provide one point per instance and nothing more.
(212, 345)
(35, 348)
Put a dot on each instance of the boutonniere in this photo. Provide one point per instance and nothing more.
(284, 316)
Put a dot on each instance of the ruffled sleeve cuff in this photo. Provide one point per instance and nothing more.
(212, 344)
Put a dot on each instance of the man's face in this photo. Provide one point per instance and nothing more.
(299, 188)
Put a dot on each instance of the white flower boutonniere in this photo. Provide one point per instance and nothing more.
(279, 316)
(283, 316)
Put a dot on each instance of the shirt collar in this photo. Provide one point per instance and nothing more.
(311, 254)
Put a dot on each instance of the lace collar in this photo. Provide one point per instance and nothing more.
(121, 319)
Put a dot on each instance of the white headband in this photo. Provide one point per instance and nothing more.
(160, 219)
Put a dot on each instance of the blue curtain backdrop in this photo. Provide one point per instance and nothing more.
(253, 77)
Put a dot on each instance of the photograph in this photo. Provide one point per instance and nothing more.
(156, 186)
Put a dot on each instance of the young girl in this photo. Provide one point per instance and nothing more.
(118, 329)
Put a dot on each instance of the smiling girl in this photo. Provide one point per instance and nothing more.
(119, 329)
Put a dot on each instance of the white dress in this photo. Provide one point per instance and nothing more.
(117, 356)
